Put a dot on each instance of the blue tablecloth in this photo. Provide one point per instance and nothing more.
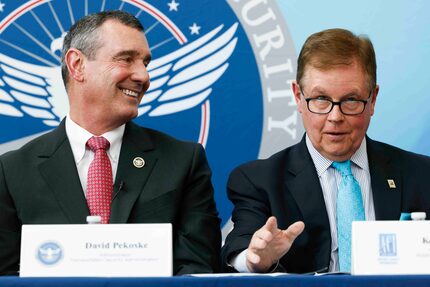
(236, 281)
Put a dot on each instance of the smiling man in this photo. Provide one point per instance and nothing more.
(97, 162)
(293, 211)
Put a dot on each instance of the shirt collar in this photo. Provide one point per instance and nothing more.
(321, 163)
(78, 138)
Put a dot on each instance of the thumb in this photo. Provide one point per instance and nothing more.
(294, 230)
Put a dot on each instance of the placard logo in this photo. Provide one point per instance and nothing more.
(387, 245)
(49, 253)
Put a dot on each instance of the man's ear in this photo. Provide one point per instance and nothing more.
(297, 93)
(75, 64)
(373, 101)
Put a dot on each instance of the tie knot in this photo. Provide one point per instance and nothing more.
(344, 167)
(96, 143)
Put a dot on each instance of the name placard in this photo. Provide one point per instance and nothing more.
(390, 247)
(96, 250)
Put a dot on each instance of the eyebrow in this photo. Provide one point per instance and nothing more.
(319, 90)
(132, 53)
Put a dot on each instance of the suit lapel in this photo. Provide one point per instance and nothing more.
(302, 182)
(60, 174)
(136, 143)
(387, 201)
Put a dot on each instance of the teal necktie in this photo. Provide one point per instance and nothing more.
(349, 208)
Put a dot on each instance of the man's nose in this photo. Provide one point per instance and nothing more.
(140, 73)
(335, 114)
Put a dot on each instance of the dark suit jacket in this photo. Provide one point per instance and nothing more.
(287, 186)
(39, 184)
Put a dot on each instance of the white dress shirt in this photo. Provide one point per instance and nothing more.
(330, 179)
(83, 156)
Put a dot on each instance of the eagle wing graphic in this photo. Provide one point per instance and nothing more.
(33, 90)
(182, 79)
(49, 253)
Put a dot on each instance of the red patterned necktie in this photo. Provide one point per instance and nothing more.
(100, 182)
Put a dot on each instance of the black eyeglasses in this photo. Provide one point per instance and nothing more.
(323, 106)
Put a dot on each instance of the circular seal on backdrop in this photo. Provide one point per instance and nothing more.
(49, 253)
(221, 75)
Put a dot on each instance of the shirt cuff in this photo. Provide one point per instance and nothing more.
(238, 262)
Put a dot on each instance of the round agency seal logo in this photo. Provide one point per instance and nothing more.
(221, 75)
(49, 253)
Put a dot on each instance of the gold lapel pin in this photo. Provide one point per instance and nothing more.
(138, 162)
(391, 183)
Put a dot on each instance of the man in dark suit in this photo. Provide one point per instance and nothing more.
(156, 178)
(286, 207)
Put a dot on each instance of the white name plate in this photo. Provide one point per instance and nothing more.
(390, 247)
(96, 250)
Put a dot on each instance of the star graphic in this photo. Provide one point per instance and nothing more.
(1, 6)
(195, 29)
(173, 6)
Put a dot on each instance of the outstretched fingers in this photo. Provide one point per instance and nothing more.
(293, 231)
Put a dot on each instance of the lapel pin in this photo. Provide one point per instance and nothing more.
(138, 162)
(391, 183)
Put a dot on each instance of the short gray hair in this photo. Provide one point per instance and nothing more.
(84, 35)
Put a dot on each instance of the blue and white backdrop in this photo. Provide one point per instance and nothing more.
(221, 72)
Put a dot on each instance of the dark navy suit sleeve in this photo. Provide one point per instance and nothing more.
(198, 240)
(10, 229)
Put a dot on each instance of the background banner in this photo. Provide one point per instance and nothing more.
(221, 71)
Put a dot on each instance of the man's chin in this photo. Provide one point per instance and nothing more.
(338, 154)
